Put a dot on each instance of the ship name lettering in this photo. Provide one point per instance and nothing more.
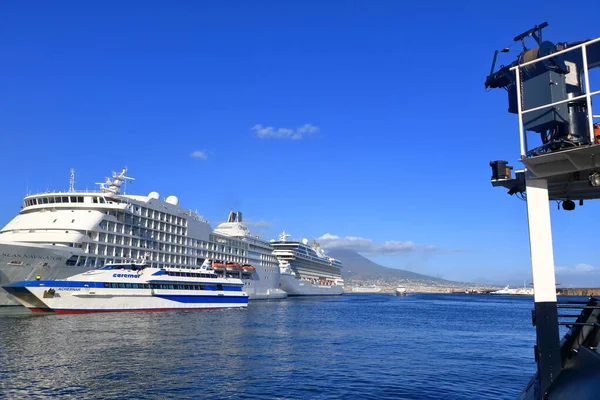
(125, 276)
(33, 256)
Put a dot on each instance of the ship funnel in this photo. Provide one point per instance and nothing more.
(239, 216)
(231, 217)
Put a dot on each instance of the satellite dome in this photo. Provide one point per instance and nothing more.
(173, 200)
(305, 241)
(154, 195)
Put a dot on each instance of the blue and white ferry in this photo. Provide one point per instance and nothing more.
(131, 287)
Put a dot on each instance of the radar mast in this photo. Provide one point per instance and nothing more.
(72, 180)
(113, 185)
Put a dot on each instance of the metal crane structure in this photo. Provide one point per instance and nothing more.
(548, 88)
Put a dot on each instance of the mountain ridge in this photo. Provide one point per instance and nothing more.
(356, 267)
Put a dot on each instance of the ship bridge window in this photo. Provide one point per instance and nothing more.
(94, 200)
(65, 199)
(102, 200)
(72, 260)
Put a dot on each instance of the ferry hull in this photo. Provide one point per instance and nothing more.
(20, 262)
(297, 287)
(36, 296)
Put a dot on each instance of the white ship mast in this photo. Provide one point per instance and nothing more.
(114, 186)
(72, 181)
(283, 236)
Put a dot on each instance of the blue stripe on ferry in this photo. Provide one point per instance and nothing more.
(225, 288)
(203, 299)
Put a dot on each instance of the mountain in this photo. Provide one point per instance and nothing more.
(359, 268)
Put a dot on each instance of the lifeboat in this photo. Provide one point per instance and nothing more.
(231, 266)
(218, 265)
(248, 268)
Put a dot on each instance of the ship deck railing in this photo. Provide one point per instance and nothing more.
(587, 93)
(567, 309)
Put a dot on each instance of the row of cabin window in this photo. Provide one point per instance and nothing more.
(53, 200)
(159, 215)
(190, 274)
(161, 286)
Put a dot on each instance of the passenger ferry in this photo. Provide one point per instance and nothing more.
(131, 287)
(60, 234)
(307, 270)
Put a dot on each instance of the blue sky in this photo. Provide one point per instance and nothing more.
(354, 119)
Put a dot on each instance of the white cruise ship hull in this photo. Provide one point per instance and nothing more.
(23, 261)
(264, 284)
(265, 293)
(298, 287)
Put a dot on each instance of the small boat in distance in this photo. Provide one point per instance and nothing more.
(400, 291)
(506, 290)
(524, 291)
(131, 287)
(366, 289)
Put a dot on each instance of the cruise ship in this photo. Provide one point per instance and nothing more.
(60, 234)
(307, 270)
(259, 254)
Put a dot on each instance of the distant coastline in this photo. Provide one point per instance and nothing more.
(459, 289)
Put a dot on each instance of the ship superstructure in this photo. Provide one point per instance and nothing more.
(307, 270)
(265, 284)
(60, 234)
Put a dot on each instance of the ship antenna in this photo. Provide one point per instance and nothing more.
(114, 186)
(283, 236)
(72, 180)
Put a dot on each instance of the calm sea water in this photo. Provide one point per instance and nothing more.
(359, 346)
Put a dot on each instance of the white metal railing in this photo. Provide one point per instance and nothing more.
(587, 95)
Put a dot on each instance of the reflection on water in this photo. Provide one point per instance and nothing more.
(352, 346)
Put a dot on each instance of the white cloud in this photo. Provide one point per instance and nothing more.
(577, 269)
(264, 132)
(370, 247)
(258, 224)
(199, 154)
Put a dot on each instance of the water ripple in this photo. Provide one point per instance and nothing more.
(353, 346)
